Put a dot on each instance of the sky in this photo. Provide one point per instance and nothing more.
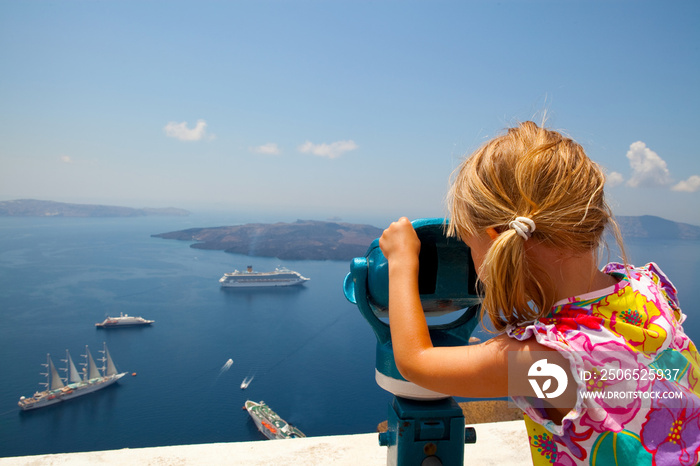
(339, 109)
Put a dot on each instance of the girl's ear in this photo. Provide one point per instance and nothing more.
(493, 234)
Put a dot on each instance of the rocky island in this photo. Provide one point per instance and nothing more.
(316, 240)
(36, 208)
(301, 240)
(651, 227)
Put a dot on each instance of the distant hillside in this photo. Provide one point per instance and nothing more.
(302, 240)
(648, 226)
(35, 208)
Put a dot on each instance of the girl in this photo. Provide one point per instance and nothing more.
(530, 206)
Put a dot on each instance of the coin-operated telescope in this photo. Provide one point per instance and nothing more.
(424, 427)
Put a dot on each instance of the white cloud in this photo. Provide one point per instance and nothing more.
(270, 149)
(66, 159)
(648, 169)
(332, 150)
(614, 179)
(183, 133)
(690, 185)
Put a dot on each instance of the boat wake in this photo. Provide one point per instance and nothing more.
(246, 382)
(226, 366)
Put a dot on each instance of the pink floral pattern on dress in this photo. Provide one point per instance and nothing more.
(634, 326)
(609, 414)
(670, 429)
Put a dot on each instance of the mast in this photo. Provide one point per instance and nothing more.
(47, 384)
(53, 380)
(90, 370)
(72, 374)
(108, 367)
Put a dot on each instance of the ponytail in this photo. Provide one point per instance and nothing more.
(514, 293)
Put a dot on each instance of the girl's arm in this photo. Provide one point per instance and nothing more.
(466, 371)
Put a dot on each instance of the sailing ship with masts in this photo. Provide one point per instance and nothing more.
(59, 389)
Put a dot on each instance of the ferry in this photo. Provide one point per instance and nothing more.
(248, 279)
(269, 423)
(124, 320)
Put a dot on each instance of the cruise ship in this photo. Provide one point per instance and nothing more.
(124, 320)
(248, 279)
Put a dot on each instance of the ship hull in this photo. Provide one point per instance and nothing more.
(44, 401)
(123, 324)
(260, 284)
(123, 320)
(101, 383)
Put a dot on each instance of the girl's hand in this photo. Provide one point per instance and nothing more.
(400, 241)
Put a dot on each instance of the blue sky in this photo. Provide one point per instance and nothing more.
(350, 109)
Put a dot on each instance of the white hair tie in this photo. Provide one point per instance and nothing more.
(523, 226)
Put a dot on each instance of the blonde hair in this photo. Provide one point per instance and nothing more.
(539, 174)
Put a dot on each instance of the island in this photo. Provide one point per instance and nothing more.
(318, 240)
(657, 228)
(37, 208)
(301, 240)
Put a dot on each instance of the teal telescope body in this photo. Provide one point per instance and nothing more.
(424, 427)
(446, 283)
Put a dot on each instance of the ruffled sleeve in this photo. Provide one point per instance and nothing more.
(549, 336)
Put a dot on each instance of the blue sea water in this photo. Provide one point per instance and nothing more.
(310, 351)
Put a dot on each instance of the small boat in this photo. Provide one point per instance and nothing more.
(74, 385)
(249, 279)
(124, 320)
(246, 382)
(269, 423)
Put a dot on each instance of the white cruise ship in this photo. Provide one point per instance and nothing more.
(249, 279)
(124, 320)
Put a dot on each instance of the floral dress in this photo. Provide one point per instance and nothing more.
(629, 336)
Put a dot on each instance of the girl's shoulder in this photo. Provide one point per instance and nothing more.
(647, 286)
(649, 276)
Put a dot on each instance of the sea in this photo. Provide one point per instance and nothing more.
(309, 352)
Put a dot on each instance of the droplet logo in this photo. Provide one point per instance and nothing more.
(542, 369)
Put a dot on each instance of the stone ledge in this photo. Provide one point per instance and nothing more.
(497, 444)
